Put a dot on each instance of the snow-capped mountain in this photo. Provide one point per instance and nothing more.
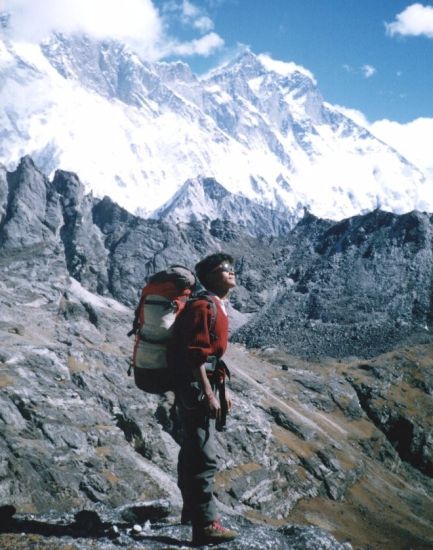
(137, 131)
(205, 199)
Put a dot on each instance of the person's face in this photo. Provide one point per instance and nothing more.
(222, 278)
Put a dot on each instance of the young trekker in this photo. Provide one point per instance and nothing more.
(199, 342)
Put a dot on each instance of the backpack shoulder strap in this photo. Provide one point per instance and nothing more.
(136, 321)
(213, 308)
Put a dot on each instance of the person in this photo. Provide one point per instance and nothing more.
(199, 342)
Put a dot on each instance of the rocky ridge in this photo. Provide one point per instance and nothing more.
(206, 199)
(343, 445)
(356, 287)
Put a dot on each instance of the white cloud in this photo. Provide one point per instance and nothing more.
(136, 20)
(189, 10)
(354, 114)
(137, 23)
(204, 46)
(284, 68)
(203, 24)
(413, 140)
(368, 70)
(189, 14)
(415, 20)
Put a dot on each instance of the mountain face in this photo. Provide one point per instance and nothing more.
(138, 131)
(359, 286)
(85, 457)
(205, 199)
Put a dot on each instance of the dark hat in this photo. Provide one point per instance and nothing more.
(208, 264)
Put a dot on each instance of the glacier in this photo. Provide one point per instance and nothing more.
(137, 131)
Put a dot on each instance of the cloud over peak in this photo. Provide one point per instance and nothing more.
(137, 23)
(203, 46)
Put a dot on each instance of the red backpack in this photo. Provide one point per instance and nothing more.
(162, 299)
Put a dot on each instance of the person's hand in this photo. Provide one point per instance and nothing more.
(229, 400)
(213, 405)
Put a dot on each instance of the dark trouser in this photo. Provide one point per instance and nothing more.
(197, 463)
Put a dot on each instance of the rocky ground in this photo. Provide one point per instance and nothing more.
(87, 530)
(329, 453)
(308, 444)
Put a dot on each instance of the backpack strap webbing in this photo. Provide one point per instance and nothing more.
(136, 321)
(212, 306)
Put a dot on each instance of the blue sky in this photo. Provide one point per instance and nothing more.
(359, 61)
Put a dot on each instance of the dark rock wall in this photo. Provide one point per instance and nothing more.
(356, 287)
(31, 213)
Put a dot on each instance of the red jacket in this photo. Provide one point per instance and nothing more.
(192, 342)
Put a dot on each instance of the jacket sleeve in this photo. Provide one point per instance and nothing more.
(193, 334)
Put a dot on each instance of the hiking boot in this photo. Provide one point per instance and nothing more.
(214, 533)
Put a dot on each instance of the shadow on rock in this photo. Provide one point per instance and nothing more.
(86, 525)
